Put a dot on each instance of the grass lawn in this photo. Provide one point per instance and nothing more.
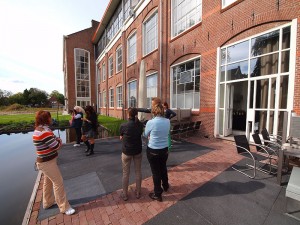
(26, 121)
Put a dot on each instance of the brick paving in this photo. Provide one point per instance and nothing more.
(183, 179)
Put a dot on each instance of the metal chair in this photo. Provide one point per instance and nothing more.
(183, 128)
(175, 130)
(243, 148)
(273, 152)
(270, 139)
(190, 128)
(197, 126)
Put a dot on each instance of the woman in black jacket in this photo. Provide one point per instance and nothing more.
(130, 134)
(89, 128)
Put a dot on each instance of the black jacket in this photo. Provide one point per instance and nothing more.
(131, 133)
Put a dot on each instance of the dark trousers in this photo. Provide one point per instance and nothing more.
(157, 159)
(78, 135)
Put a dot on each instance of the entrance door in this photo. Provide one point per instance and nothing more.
(229, 109)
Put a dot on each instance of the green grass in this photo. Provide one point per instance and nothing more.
(26, 122)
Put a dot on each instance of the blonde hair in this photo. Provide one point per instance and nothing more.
(157, 108)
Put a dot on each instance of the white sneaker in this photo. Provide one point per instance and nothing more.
(76, 145)
(70, 211)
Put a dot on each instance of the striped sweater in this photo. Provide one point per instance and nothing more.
(46, 144)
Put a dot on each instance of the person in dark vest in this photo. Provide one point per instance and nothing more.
(130, 134)
(89, 128)
(77, 123)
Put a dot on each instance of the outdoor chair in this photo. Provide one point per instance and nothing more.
(190, 128)
(197, 126)
(175, 130)
(269, 139)
(258, 161)
(273, 151)
(183, 128)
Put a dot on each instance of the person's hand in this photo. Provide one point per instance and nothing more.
(121, 137)
(59, 140)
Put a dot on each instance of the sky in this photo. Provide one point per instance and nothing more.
(31, 40)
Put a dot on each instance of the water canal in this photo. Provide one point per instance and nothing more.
(17, 175)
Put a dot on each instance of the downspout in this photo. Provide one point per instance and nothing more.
(160, 49)
(96, 80)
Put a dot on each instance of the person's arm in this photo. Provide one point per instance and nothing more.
(148, 129)
(144, 110)
(77, 116)
(172, 114)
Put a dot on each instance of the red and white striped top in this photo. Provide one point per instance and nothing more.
(46, 144)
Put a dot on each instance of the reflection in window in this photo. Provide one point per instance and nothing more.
(283, 93)
(237, 71)
(132, 94)
(111, 97)
(119, 59)
(265, 65)
(266, 43)
(110, 66)
(119, 96)
(82, 73)
(150, 34)
(273, 93)
(238, 52)
(131, 49)
(186, 85)
(285, 61)
(227, 2)
(260, 120)
(151, 88)
(286, 38)
(262, 87)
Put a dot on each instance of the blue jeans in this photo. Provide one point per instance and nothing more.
(157, 159)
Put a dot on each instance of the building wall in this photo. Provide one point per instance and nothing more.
(82, 40)
(219, 27)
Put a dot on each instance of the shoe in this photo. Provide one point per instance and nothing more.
(90, 153)
(166, 188)
(154, 197)
(70, 211)
(124, 197)
(76, 145)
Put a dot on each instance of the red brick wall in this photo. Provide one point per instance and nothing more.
(218, 27)
(81, 39)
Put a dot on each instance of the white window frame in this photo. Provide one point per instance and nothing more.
(128, 97)
(119, 96)
(150, 36)
(103, 72)
(110, 66)
(104, 99)
(184, 17)
(99, 100)
(171, 83)
(131, 48)
(226, 3)
(111, 98)
(150, 75)
(119, 59)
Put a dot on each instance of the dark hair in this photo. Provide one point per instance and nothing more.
(42, 118)
(166, 105)
(89, 110)
(132, 112)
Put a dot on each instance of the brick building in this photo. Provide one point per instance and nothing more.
(235, 63)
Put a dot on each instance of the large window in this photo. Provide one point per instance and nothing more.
(186, 85)
(119, 59)
(103, 72)
(104, 98)
(151, 88)
(110, 66)
(185, 14)
(150, 34)
(111, 98)
(226, 3)
(119, 96)
(82, 62)
(264, 60)
(132, 94)
(131, 58)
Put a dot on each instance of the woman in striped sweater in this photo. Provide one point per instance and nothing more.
(46, 148)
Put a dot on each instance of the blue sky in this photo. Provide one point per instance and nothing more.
(31, 40)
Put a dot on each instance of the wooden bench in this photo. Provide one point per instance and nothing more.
(293, 188)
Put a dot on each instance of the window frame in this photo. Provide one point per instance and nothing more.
(129, 62)
(224, 5)
(103, 72)
(119, 64)
(110, 66)
(119, 99)
(154, 15)
(111, 97)
(129, 93)
(152, 74)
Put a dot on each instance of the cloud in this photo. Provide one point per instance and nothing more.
(18, 81)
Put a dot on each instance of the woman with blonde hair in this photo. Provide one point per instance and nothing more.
(157, 130)
(77, 123)
(47, 146)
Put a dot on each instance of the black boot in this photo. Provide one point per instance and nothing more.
(87, 143)
(91, 152)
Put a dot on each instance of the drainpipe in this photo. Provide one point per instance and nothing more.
(160, 49)
(96, 79)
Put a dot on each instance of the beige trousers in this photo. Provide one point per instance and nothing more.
(53, 189)
(126, 162)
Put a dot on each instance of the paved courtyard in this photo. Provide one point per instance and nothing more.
(203, 189)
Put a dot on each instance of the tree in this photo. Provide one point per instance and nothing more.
(59, 97)
(4, 95)
(16, 98)
(37, 97)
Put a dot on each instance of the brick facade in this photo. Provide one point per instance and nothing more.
(218, 27)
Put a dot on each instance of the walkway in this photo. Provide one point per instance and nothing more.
(204, 190)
